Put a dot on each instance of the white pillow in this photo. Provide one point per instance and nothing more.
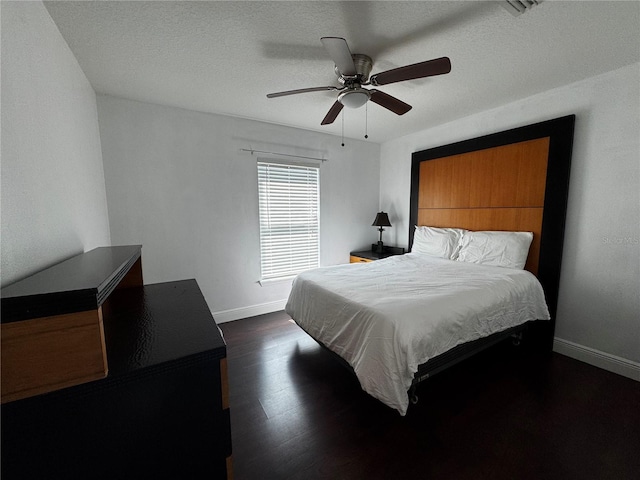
(502, 249)
(437, 242)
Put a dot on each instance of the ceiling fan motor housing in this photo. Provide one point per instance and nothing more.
(354, 96)
(363, 64)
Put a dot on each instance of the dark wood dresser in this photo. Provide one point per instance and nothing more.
(159, 409)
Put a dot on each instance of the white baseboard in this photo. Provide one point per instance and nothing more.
(606, 361)
(246, 312)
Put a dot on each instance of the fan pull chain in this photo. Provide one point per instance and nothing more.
(366, 120)
(343, 127)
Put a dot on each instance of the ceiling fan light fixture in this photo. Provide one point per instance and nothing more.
(354, 98)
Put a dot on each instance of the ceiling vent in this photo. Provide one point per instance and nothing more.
(518, 7)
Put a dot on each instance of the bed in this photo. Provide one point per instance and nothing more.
(397, 321)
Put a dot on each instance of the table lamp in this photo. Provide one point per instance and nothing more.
(382, 220)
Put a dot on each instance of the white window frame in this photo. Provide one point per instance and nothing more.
(289, 213)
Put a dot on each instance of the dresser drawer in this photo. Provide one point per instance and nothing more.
(44, 354)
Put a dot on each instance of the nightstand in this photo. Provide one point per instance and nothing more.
(371, 255)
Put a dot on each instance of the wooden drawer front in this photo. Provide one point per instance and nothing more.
(353, 259)
(49, 353)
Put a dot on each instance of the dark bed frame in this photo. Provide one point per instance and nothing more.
(548, 261)
(539, 333)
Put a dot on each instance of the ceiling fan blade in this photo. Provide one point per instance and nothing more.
(335, 109)
(301, 90)
(340, 54)
(429, 68)
(390, 103)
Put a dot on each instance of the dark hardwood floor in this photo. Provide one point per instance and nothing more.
(510, 413)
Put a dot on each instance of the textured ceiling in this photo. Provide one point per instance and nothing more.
(224, 57)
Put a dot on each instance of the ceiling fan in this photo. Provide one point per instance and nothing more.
(353, 73)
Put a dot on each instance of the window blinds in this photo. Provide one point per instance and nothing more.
(289, 218)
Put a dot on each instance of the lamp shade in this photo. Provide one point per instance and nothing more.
(382, 220)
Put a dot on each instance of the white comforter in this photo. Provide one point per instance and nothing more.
(389, 316)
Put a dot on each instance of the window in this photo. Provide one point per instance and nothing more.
(289, 218)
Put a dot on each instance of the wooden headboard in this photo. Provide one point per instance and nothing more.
(516, 180)
(499, 188)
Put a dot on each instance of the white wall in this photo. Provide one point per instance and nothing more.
(178, 184)
(599, 303)
(53, 191)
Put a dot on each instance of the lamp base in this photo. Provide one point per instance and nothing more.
(379, 247)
